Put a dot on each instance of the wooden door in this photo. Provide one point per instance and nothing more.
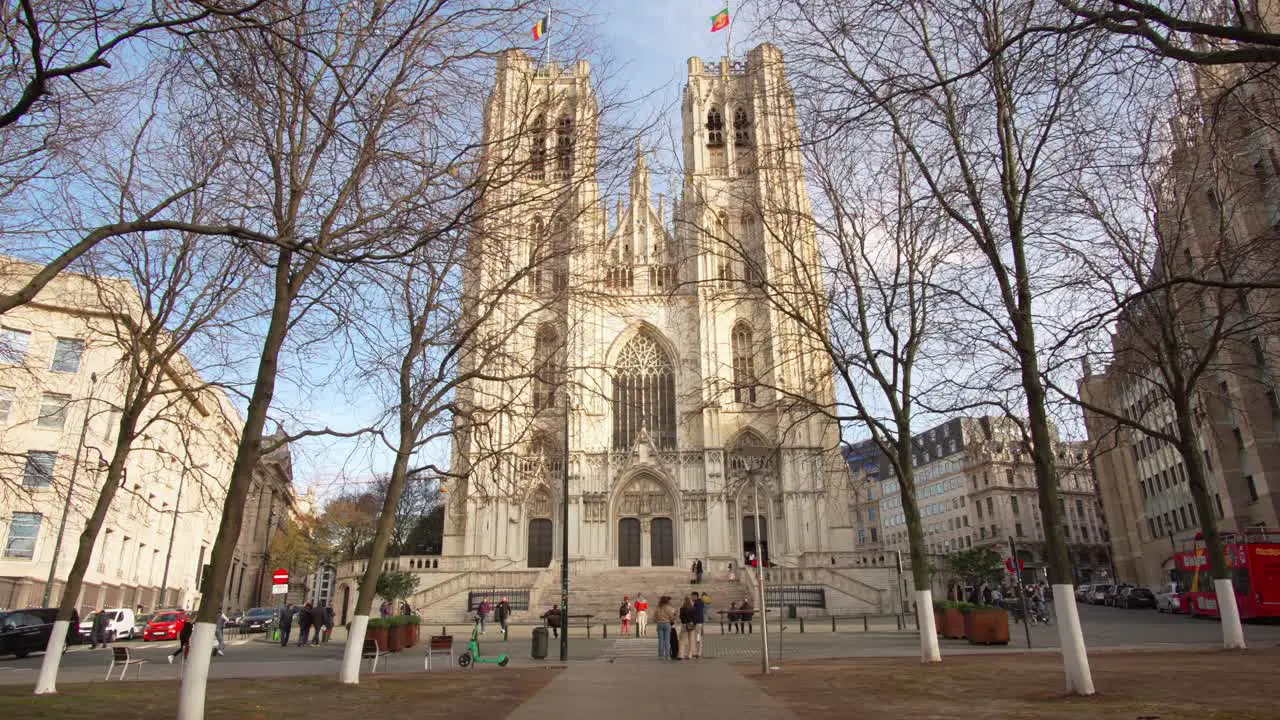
(629, 542)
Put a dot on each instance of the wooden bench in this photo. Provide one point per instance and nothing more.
(582, 621)
(121, 656)
(373, 651)
(749, 619)
(439, 645)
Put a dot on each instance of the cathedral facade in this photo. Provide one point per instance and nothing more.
(663, 362)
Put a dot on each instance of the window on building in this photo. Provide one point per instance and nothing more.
(644, 394)
(1217, 500)
(13, 345)
(24, 529)
(715, 128)
(1008, 477)
(966, 520)
(874, 534)
(862, 536)
(968, 541)
(67, 353)
(53, 411)
(1080, 509)
(991, 508)
(564, 146)
(1186, 522)
(871, 514)
(1013, 505)
(1191, 508)
(1084, 533)
(1253, 488)
(995, 530)
(38, 470)
(1151, 527)
(982, 533)
(1208, 461)
(546, 368)
(538, 153)
(978, 505)
(1142, 486)
(1017, 529)
(741, 128)
(744, 383)
(6, 403)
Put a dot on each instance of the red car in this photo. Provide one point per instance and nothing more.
(164, 625)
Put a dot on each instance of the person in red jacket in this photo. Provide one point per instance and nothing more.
(642, 614)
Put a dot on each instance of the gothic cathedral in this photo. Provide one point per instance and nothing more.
(646, 351)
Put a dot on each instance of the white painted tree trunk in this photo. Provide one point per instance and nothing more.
(1229, 612)
(47, 681)
(929, 652)
(195, 673)
(350, 674)
(1075, 659)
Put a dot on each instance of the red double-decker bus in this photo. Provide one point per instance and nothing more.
(1254, 559)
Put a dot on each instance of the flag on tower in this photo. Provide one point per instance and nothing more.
(541, 27)
(720, 20)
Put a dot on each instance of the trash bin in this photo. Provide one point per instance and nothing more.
(539, 649)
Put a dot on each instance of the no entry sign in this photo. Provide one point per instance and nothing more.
(1013, 565)
(280, 577)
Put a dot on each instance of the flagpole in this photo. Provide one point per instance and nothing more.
(729, 37)
(546, 53)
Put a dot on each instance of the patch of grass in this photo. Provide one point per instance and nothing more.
(457, 696)
(1168, 685)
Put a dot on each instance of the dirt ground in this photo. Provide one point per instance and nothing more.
(456, 696)
(1162, 685)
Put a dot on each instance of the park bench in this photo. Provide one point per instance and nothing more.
(749, 619)
(122, 657)
(439, 645)
(373, 651)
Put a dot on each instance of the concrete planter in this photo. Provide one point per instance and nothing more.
(953, 624)
(988, 626)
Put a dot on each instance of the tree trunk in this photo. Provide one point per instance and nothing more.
(350, 671)
(920, 577)
(195, 678)
(46, 682)
(1198, 484)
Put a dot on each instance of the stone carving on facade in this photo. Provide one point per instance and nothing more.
(540, 503)
(694, 506)
(595, 507)
(644, 497)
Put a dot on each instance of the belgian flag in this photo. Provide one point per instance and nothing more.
(541, 27)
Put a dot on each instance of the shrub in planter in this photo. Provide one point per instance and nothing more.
(397, 633)
(986, 625)
(379, 630)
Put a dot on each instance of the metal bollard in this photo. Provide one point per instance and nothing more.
(801, 619)
(866, 624)
(833, 623)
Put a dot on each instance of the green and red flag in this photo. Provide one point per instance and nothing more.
(720, 20)
(542, 27)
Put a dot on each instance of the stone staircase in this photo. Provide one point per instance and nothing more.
(601, 593)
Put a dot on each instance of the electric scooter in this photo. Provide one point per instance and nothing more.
(472, 653)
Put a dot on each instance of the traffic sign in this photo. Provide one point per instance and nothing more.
(280, 577)
(279, 589)
(1009, 565)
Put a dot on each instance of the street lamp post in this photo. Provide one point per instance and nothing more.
(764, 610)
(564, 537)
(71, 486)
(168, 555)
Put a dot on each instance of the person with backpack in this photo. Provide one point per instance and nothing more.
(624, 615)
(483, 613)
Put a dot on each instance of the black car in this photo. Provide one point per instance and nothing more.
(258, 620)
(23, 632)
(1138, 598)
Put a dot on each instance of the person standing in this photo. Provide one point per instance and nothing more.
(686, 627)
(73, 629)
(700, 603)
(328, 621)
(624, 615)
(664, 617)
(218, 627)
(502, 614)
(98, 630)
(697, 571)
(286, 625)
(483, 613)
(642, 613)
(304, 624)
(745, 611)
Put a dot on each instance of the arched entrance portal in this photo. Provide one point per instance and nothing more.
(749, 538)
(645, 507)
(629, 542)
(540, 540)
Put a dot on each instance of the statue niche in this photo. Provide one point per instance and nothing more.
(644, 497)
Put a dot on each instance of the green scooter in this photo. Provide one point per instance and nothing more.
(472, 654)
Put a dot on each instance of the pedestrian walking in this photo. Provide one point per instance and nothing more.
(98, 630)
(483, 613)
(286, 625)
(745, 611)
(624, 615)
(687, 627)
(700, 605)
(73, 629)
(218, 627)
(328, 621)
(317, 622)
(184, 639)
(502, 614)
(304, 624)
(697, 571)
(665, 617)
(642, 614)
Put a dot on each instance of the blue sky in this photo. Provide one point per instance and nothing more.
(645, 47)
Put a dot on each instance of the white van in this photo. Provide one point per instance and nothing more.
(119, 625)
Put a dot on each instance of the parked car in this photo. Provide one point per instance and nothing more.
(1098, 593)
(164, 625)
(1168, 599)
(258, 620)
(1082, 593)
(120, 624)
(1137, 597)
(1112, 597)
(23, 632)
(140, 624)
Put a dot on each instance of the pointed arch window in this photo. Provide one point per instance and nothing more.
(564, 147)
(539, 255)
(644, 395)
(715, 128)
(741, 128)
(753, 253)
(546, 367)
(744, 367)
(538, 153)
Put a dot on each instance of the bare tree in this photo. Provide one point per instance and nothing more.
(1204, 33)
